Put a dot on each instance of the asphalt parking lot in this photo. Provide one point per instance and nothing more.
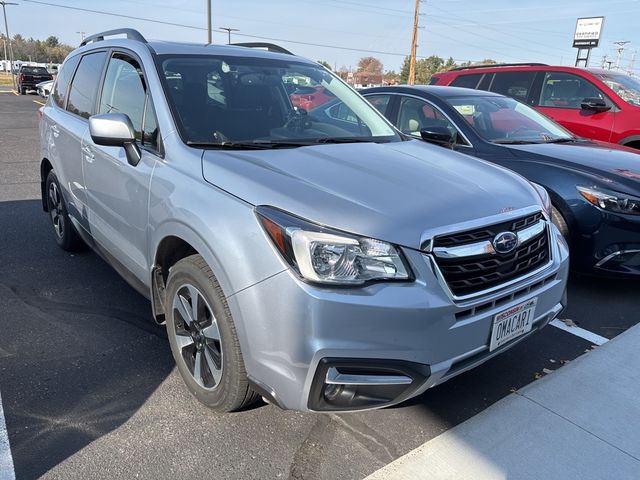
(89, 387)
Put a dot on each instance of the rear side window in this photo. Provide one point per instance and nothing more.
(62, 82)
(467, 81)
(513, 84)
(381, 102)
(84, 86)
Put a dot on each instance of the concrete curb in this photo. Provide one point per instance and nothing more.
(578, 423)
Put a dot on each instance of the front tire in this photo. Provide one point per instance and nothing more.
(203, 337)
(559, 221)
(66, 236)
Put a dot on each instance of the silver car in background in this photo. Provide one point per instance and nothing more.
(44, 88)
(317, 258)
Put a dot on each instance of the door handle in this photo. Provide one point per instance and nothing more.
(88, 152)
(55, 130)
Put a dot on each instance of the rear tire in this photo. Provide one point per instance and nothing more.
(23, 91)
(559, 221)
(203, 337)
(66, 236)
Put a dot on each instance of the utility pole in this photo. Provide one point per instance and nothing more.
(6, 29)
(414, 45)
(229, 30)
(82, 34)
(621, 45)
(209, 38)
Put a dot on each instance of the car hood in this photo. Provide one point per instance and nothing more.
(392, 191)
(606, 162)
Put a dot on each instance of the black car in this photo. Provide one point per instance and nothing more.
(29, 77)
(594, 186)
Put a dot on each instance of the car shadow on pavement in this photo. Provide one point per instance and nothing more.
(79, 352)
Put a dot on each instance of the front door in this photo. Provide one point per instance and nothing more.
(561, 98)
(118, 193)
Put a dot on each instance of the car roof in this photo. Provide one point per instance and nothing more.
(436, 90)
(160, 47)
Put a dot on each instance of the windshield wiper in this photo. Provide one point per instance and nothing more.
(561, 140)
(245, 145)
(344, 140)
(514, 142)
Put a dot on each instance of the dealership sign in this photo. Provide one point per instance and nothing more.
(588, 32)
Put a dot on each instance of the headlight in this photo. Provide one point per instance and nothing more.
(323, 255)
(611, 201)
(545, 199)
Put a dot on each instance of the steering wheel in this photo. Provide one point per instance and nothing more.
(298, 120)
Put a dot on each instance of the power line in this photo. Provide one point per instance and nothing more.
(194, 27)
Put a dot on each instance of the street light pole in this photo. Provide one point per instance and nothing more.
(229, 30)
(6, 29)
(82, 34)
(209, 39)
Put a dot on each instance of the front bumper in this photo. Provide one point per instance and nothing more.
(607, 243)
(292, 333)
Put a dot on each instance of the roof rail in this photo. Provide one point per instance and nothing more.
(491, 65)
(129, 32)
(271, 47)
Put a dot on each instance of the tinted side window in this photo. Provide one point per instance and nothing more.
(416, 114)
(565, 90)
(84, 86)
(513, 84)
(59, 93)
(380, 102)
(125, 91)
(467, 81)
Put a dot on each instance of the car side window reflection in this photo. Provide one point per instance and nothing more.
(125, 91)
(416, 115)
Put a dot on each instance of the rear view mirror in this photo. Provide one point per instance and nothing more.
(437, 135)
(115, 130)
(594, 104)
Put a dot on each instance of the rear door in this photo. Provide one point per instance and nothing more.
(68, 122)
(118, 193)
(560, 98)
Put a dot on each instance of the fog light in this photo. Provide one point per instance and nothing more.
(332, 392)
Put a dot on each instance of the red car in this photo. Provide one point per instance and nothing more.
(309, 98)
(592, 103)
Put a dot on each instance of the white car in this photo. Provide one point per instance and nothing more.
(44, 88)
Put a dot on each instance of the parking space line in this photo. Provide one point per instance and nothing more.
(15, 93)
(594, 338)
(39, 103)
(6, 460)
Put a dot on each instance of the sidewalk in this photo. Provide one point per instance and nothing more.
(580, 422)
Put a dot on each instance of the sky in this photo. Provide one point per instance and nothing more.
(342, 31)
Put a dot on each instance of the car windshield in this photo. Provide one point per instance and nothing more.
(505, 120)
(627, 88)
(251, 102)
(34, 70)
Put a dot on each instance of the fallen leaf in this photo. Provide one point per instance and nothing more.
(568, 322)
(547, 371)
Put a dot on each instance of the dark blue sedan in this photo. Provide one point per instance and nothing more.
(594, 187)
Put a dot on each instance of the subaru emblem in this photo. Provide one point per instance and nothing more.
(505, 242)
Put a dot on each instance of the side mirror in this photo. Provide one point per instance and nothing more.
(437, 135)
(115, 130)
(594, 104)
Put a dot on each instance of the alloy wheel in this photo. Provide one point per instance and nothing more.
(55, 209)
(197, 336)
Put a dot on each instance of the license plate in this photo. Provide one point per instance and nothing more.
(512, 323)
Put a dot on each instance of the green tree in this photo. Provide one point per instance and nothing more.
(325, 64)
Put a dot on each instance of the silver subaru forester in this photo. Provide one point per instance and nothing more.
(296, 245)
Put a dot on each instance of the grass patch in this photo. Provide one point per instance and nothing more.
(5, 80)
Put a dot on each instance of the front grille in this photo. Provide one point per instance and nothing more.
(469, 275)
(486, 233)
